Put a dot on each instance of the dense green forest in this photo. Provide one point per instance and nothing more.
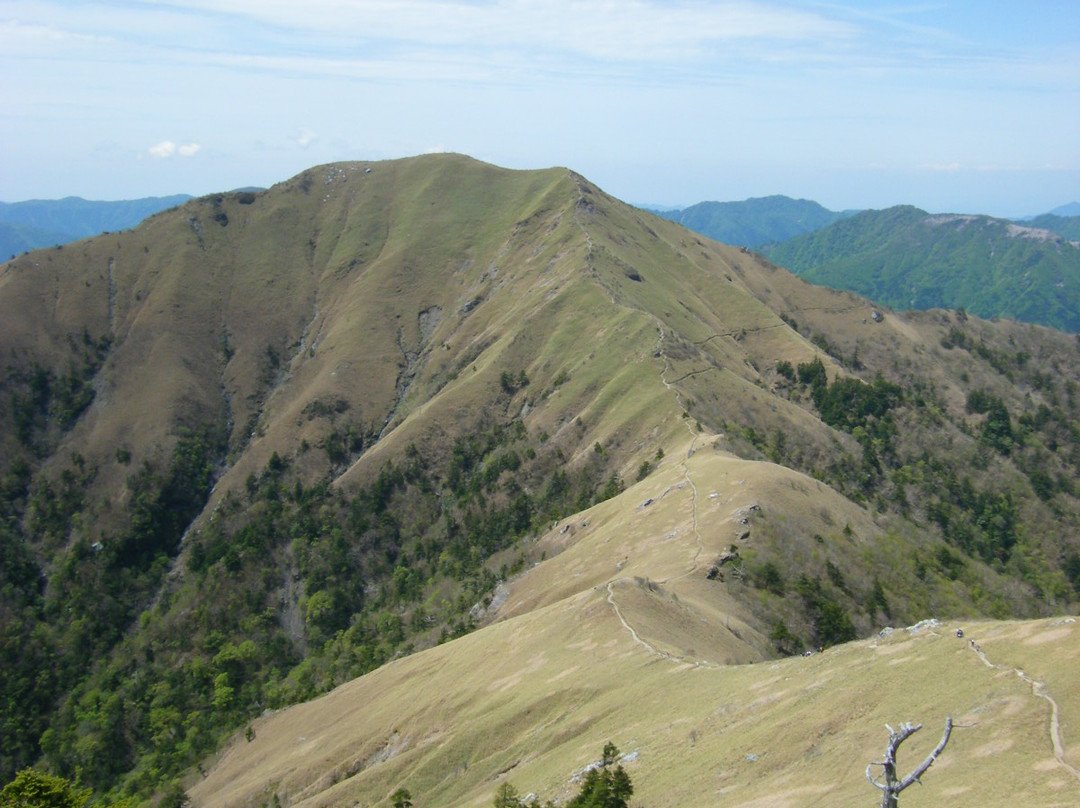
(905, 258)
(289, 590)
(1020, 471)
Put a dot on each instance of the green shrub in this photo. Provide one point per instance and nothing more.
(768, 577)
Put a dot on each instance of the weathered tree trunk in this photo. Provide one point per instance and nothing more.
(892, 787)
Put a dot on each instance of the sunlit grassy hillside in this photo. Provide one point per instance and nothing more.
(270, 441)
(619, 636)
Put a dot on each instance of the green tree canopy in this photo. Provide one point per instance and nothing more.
(34, 789)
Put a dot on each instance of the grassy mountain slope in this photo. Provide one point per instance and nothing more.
(753, 222)
(529, 700)
(267, 442)
(905, 258)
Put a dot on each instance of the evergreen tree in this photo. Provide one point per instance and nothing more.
(605, 787)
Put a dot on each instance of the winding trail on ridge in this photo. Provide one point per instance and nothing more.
(682, 463)
(1039, 690)
(658, 351)
(627, 626)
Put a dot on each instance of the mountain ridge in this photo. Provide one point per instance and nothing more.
(292, 435)
(1067, 227)
(1068, 209)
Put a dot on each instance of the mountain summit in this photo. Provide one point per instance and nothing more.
(544, 467)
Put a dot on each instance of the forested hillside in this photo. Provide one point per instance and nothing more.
(907, 259)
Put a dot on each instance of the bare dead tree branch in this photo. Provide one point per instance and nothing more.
(915, 775)
(892, 787)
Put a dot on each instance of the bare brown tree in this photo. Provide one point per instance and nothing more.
(892, 787)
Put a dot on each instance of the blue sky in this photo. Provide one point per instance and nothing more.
(959, 106)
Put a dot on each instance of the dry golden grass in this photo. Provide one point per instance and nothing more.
(618, 635)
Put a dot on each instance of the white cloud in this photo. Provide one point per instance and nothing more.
(165, 148)
(306, 138)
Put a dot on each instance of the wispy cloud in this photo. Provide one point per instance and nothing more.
(443, 39)
(919, 88)
(634, 30)
(16, 32)
(644, 42)
(945, 167)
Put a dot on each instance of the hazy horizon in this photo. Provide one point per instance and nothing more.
(959, 107)
(646, 205)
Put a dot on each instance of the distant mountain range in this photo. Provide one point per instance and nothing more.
(766, 220)
(1064, 226)
(1071, 209)
(47, 222)
(753, 222)
(906, 258)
